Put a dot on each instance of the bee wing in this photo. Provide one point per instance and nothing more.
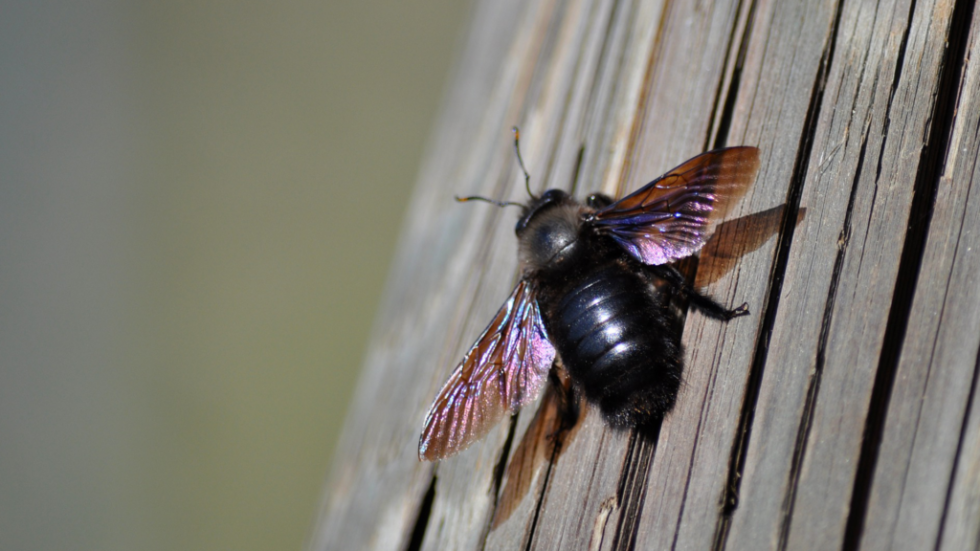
(673, 216)
(504, 370)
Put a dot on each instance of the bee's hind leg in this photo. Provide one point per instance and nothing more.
(709, 306)
(568, 401)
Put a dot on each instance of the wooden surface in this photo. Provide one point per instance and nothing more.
(842, 414)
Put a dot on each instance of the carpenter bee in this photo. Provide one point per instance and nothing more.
(591, 297)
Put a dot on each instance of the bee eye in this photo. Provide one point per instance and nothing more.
(553, 196)
(598, 200)
(547, 200)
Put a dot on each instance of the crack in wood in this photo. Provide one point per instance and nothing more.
(599, 528)
(422, 519)
(541, 496)
(729, 499)
(498, 475)
(728, 108)
(967, 412)
(813, 388)
(920, 215)
(813, 385)
(632, 488)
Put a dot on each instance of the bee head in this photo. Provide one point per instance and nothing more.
(537, 205)
(548, 231)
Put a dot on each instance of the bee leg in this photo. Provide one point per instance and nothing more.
(704, 303)
(713, 309)
(568, 403)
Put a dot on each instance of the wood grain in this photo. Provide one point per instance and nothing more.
(842, 414)
(840, 277)
(926, 433)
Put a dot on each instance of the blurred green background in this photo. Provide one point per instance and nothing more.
(198, 204)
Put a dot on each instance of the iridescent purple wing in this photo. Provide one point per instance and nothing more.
(505, 369)
(673, 216)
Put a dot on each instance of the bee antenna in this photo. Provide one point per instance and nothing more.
(520, 161)
(491, 201)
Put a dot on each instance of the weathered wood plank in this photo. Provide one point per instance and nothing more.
(783, 46)
(961, 529)
(601, 131)
(686, 68)
(764, 447)
(840, 278)
(584, 130)
(464, 506)
(377, 483)
(574, 511)
(866, 291)
(580, 38)
(928, 412)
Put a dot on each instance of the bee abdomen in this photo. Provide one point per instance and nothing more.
(616, 339)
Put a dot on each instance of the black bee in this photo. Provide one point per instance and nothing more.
(588, 295)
